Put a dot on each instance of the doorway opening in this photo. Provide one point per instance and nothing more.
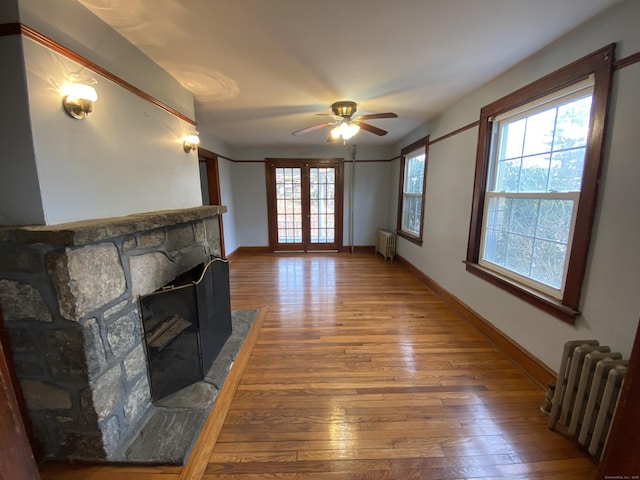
(210, 184)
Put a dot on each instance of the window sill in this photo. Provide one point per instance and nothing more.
(544, 302)
(411, 238)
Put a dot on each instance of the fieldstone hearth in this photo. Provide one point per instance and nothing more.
(170, 427)
(70, 299)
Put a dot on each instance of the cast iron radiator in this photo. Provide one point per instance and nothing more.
(587, 392)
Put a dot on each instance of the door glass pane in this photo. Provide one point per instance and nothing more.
(322, 192)
(289, 205)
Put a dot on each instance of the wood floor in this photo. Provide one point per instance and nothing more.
(360, 372)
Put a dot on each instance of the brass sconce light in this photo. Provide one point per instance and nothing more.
(191, 142)
(78, 100)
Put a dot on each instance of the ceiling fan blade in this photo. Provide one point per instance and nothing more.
(335, 117)
(371, 128)
(373, 116)
(312, 128)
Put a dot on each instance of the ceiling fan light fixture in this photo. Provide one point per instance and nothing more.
(345, 125)
(344, 108)
(346, 130)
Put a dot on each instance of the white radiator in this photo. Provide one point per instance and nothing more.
(586, 393)
(386, 243)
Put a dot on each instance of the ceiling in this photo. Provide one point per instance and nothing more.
(260, 69)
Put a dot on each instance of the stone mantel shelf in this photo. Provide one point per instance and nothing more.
(84, 232)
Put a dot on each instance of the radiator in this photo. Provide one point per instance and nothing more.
(386, 244)
(586, 393)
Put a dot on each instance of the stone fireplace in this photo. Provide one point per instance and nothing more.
(69, 294)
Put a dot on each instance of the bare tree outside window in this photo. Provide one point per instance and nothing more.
(413, 174)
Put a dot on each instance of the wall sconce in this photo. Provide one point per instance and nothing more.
(78, 100)
(191, 142)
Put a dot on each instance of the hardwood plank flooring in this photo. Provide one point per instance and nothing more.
(360, 372)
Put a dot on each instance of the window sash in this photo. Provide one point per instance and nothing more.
(535, 238)
(410, 213)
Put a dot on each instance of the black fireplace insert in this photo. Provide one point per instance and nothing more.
(186, 323)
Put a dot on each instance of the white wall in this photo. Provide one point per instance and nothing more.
(226, 198)
(370, 201)
(250, 204)
(9, 11)
(394, 185)
(610, 300)
(204, 184)
(125, 158)
(20, 200)
(211, 142)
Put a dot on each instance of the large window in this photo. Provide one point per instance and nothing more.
(413, 171)
(538, 163)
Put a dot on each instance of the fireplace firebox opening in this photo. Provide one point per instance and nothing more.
(186, 324)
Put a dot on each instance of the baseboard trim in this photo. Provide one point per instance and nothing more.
(359, 249)
(533, 366)
(248, 251)
(262, 250)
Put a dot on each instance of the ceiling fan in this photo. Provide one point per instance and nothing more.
(345, 124)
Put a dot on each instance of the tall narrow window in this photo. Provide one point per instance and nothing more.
(539, 154)
(413, 171)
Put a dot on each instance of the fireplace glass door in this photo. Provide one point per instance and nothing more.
(305, 208)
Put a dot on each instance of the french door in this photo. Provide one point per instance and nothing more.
(305, 201)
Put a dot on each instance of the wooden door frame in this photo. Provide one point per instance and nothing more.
(620, 456)
(210, 159)
(14, 442)
(269, 163)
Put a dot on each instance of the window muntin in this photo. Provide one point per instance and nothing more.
(533, 186)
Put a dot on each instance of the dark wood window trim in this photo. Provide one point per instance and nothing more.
(422, 143)
(600, 64)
